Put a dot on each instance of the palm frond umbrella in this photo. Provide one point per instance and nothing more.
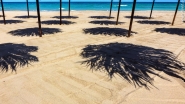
(3, 11)
(132, 16)
(38, 13)
(60, 12)
(152, 9)
(176, 12)
(118, 12)
(27, 8)
(69, 8)
(110, 8)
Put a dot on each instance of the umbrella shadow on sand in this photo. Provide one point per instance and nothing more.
(66, 17)
(105, 22)
(173, 31)
(16, 55)
(25, 16)
(138, 17)
(34, 31)
(107, 31)
(134, 63)
(11, 21)
(101, 17)
(57, 22)
(153, 22)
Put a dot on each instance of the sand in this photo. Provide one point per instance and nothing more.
(55, 74)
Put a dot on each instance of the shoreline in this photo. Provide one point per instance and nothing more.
(72, 11)
(93, 10)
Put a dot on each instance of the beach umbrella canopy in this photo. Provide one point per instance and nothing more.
(118, 12)
(176, 12)
(110, 8)
(27, 8)
(132, 16)
(38, 14)
(3, 11)
(152, 9)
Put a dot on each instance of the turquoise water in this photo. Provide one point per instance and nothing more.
(54, 6)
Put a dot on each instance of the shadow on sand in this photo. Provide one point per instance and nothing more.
(133, 63)
(11, 21)
(107, 31)
(138, 17)
(101, 17)
(105, 22)
(16, 55)
(177, 31)
(66, 17)
(153, 22)
(57, 22)
(33, 31)
(25, 16)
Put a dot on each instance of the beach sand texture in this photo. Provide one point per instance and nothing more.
(56, 74)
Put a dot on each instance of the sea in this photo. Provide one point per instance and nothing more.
(98, 6)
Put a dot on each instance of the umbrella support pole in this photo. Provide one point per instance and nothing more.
(118, 12)
(132, 16)
(110, 9)
(182, 7)
(39, 22)
(175, 12)
(3, 12)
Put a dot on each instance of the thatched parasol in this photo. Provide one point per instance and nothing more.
(38, 13)
(3, 11)
(132, 16)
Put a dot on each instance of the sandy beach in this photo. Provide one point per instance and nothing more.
(62, 66)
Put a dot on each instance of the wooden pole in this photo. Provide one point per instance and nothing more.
(60, 12)
(176, 12)
(152, 9)
(3, 11)
(132, 16)
(69, 7)
(110, 9)
(28, 8)
(118, 12)
(38, 13)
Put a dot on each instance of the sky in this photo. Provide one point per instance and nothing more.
(89, 0)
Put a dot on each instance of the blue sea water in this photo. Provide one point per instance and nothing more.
(103, 6)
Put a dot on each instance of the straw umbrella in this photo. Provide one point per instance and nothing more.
(60, 12)
(152, 9)
(27, 8)
(176, 12)
(110, 8)
(69, 7)
(39, 23)
(132, 16)
(118, 12)
(3, 11)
